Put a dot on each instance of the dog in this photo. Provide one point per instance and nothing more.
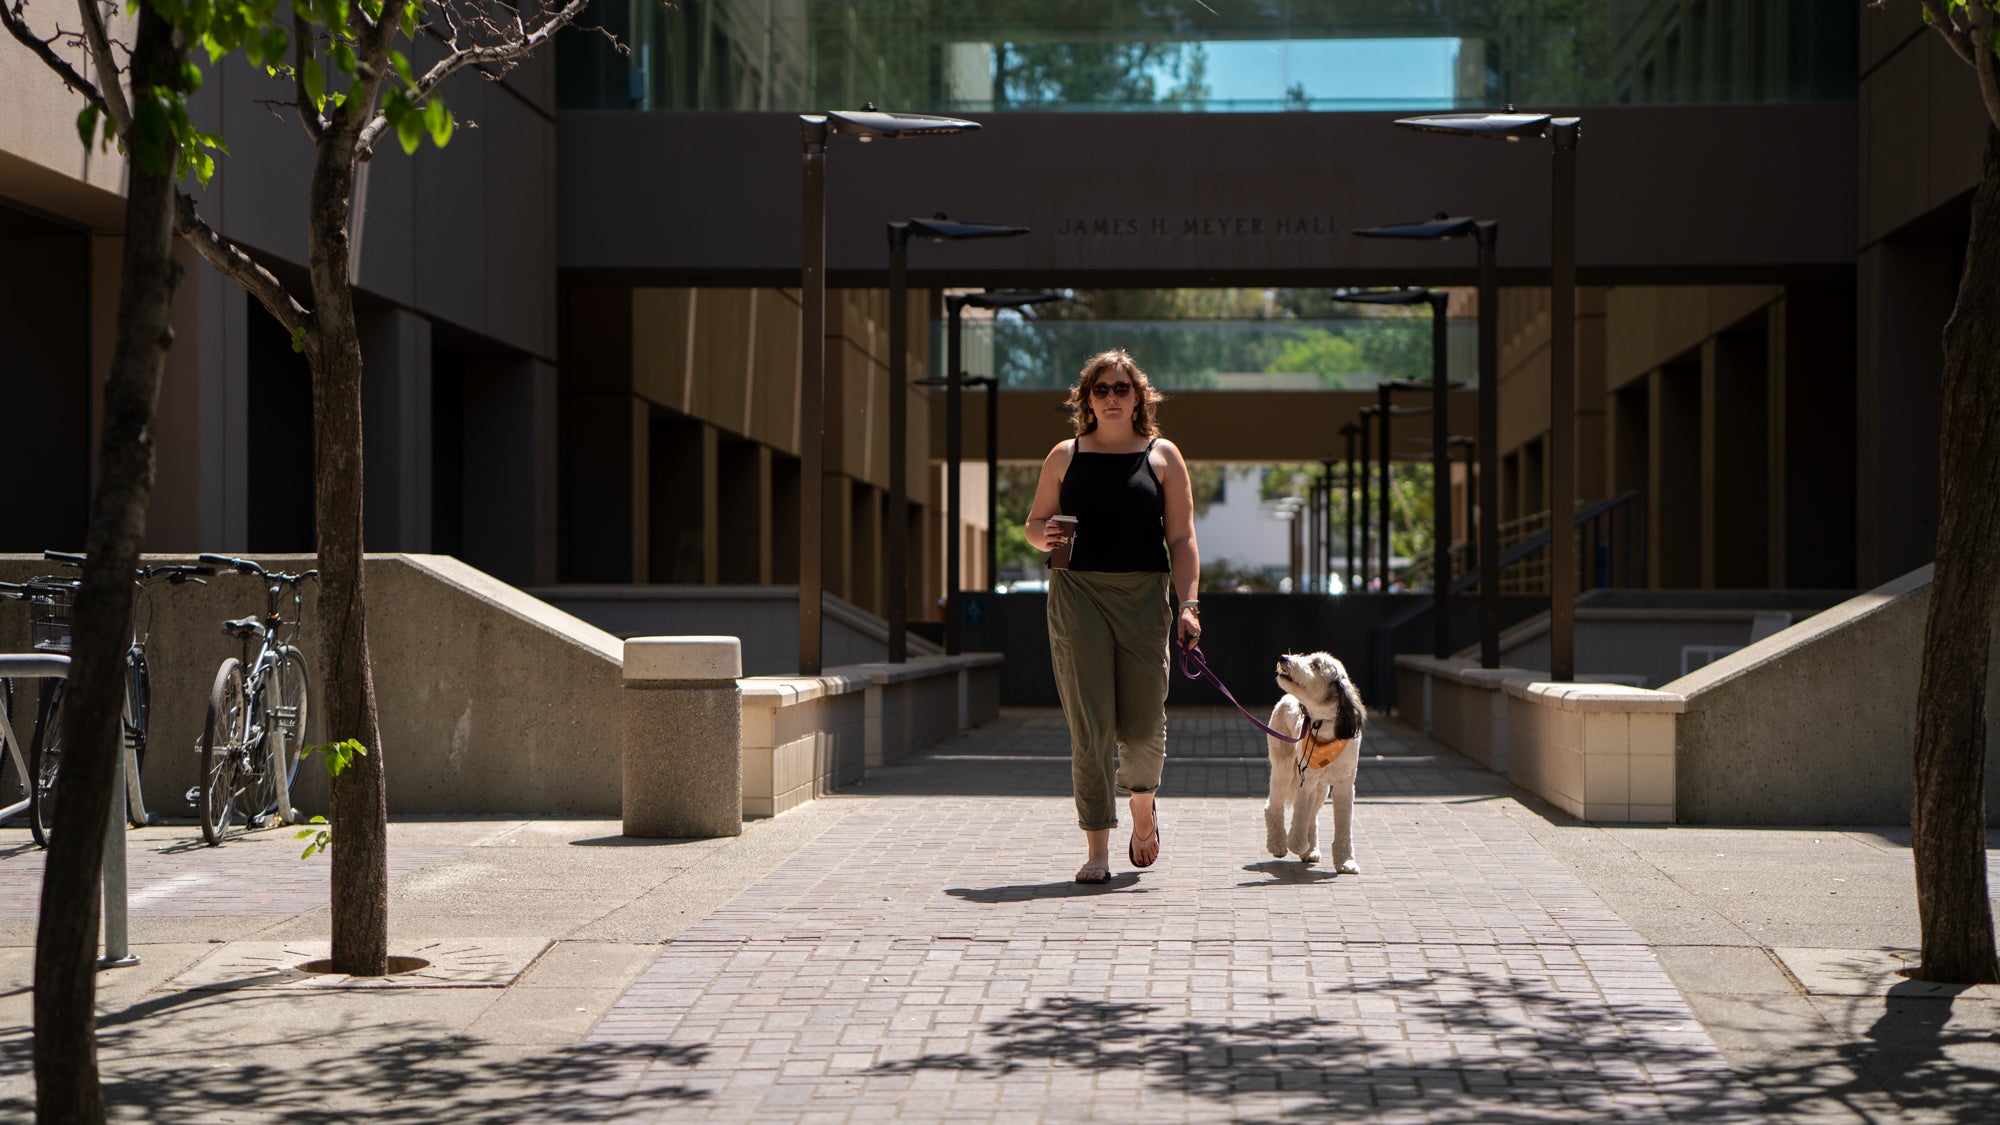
(1320, 700)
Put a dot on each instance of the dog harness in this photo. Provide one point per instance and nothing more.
(1315, 752)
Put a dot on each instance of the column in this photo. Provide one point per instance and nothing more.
(1733, 431)
(1905, 295)
(396, 430)
(510, 469)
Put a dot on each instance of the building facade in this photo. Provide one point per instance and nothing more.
(583, 327)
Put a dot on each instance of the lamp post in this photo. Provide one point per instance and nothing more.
(938, 229)
(1388, 414)
(1485, 234)
(815, 129)
(1351, 579)
(1367, 432)
(1326, 525)
(954, 443)
(1440, 387)
(1563, 133)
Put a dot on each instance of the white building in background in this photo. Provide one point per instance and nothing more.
(1244, 531)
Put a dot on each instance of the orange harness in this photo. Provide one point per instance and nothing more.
(1315, 752)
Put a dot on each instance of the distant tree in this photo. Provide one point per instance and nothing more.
(1948, 787)
(1319, 352)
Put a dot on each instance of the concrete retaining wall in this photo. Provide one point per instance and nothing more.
(1600, 752)
(490, 701)
(1816, 725)
(803, 737)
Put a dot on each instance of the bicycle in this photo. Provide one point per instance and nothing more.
(49, 600)
(258, 713)
(52, 600)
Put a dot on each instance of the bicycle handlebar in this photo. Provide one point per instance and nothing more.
(250, 566)
(68, 557)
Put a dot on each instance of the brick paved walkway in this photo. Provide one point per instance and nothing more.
(928, 959)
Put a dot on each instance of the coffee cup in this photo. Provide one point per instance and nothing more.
(1059, 554)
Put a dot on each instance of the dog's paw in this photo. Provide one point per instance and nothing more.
(1348, 867)
(1311, 855)
(1274, 843)
(1298, 844)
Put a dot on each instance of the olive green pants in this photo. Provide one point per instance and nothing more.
(1108, 634)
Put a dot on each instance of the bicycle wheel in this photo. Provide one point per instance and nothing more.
(287, 709)
(222, 750)
(45, 764)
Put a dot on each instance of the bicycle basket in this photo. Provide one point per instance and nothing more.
(49, 607)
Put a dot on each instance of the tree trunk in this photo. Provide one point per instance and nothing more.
(1948, 790)
(360, 811)
(65, 1004)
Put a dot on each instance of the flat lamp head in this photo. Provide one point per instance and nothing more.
(871, 124)
(1508, 126)
(1384, 297)
(1439, 226)
(941, 229)
(1009, 298)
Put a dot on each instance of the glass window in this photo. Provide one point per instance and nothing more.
(1196, 56)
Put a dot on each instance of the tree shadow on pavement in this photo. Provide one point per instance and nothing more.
(1475, 1047)
(408, 1076)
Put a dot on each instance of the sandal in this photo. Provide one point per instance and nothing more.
(1094, 873)
(1132, 845)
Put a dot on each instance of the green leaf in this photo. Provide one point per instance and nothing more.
(403, 70)
(302, 833)
(299, 340)
(86, 124)
(204, 166)
(315, 83)
(343, 57)
(439, 121)
(408, 122)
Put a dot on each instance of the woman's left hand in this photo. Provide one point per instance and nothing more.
(1190, 631)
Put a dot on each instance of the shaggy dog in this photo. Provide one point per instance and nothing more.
(1321, 700)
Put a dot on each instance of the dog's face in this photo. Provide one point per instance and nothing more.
(1320, 681)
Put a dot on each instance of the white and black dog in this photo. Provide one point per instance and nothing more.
(1321, 701)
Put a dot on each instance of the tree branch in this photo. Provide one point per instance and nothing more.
(504, 56)
(98, 43)
(1953, 34)
(231, 262)
(309, 115)
(17, 25)
(1989, 86)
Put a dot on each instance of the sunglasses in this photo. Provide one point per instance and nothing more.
(1107, 390)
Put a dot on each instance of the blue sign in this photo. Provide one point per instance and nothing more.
(974, 609)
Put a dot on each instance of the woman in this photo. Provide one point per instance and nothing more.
(1111, 611)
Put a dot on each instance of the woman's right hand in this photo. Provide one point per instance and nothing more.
(1049, 535)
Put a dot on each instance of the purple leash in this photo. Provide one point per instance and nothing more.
(1194, 666)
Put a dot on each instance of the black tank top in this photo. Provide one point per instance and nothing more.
(1120, 511)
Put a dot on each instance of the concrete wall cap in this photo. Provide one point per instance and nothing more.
(784, 691)
(683, 659)
(1596, 697)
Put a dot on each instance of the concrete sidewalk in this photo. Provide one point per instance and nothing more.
(912, 949)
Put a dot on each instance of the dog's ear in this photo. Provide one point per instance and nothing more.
(1351, 716)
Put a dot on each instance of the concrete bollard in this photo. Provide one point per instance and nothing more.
(683, 753)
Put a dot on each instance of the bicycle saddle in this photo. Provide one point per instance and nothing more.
(244, 628)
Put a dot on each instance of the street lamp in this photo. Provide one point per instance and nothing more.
(937, 229)
(865, 124)
(1324, 572)
(954, 424)
(1352, 579)
(1485, 234)
(1440, 388)
(1471, 447)
(1388, 414)
(1563, 133)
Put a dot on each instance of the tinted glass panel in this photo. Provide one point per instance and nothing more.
(1196, 56)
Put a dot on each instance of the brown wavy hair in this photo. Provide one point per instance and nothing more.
(1144, 398)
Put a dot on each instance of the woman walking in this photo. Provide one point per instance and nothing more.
(1132, 576)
